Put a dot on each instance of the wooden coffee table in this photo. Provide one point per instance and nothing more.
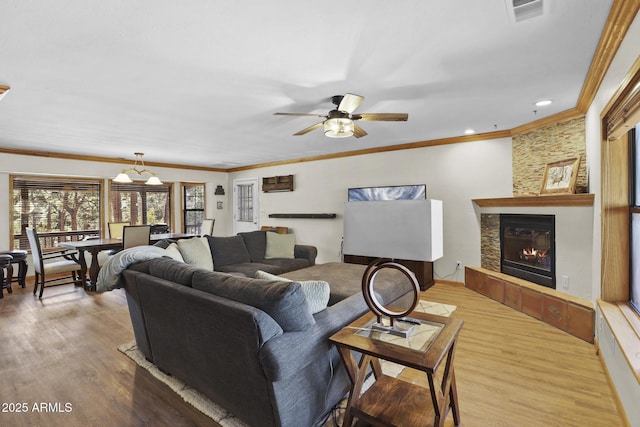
(390, 401)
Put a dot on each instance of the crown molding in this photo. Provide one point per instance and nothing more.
(119, 160)
(621, 15)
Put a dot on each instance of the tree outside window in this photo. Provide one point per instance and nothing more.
(193, 202)
(59, 209)
(137, 203)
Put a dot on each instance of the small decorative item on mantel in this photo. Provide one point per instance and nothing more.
(219, 191)
(560, 177)
(277, 183)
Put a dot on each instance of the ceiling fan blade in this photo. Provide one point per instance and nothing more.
(382, 117)
(350, 102)
(299, 114)
(358, 132)
(309, 129)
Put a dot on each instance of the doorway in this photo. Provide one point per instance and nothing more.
(245, 205)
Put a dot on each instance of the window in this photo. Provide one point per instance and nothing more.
(634, 220)
(59, 209)
(193, 203)
(138, 203)
(245, 202)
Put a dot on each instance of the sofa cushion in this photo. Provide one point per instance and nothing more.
(174, 252)
(284, 301)
(196, 252)
(256, 243)
(249, 268)
(280, 245)
(172, 270)
(228, 250)
(284, 265)
(316, 291)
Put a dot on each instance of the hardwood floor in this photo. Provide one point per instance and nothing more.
(62, 350)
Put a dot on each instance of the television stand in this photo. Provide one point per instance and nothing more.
(422, 269)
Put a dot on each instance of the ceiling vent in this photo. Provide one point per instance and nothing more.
(520, 10)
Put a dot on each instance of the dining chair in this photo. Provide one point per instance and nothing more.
(206, 228)
(115, 229)
(69, 264)
(135, 235)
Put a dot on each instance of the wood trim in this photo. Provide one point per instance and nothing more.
(621, 15)
(407, 146)
(4, 89)
(612, 386)
(615, 220)
(625, 87)
(560, 117)
(549, 200)
(449, 282)
(122, 161)
(626, 337)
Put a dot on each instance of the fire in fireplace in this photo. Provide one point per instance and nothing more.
(527, 248)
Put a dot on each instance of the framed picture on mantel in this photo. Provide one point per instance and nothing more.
(560, 177)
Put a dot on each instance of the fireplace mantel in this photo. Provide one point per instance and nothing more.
(583, 199)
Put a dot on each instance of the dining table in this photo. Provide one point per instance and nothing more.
(94, 246)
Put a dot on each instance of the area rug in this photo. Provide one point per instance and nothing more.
(221, 415)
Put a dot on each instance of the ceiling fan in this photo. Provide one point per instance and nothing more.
(339, 123)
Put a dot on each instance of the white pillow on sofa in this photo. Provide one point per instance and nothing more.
(280, 245)
(317, 292)
(196, 252)
(174, 252)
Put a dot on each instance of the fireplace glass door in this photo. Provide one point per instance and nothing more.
(527, 245)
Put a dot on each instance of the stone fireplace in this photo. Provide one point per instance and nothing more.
(527, 247)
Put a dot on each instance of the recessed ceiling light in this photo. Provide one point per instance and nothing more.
(469, 132)
(543, 103)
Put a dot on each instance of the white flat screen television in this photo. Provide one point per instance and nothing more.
(398, 229)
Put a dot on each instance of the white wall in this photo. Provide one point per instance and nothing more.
(620, 372)
(453, 173)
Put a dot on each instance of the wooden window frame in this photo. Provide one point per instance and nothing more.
(183, 208)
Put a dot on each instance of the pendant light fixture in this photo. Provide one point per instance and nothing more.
(123, 177)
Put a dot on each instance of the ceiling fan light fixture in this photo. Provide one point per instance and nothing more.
(338, 127)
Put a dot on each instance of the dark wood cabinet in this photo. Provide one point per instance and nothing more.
(422, 269)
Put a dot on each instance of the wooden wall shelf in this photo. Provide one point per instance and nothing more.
(277, 183)
(584, 199)
(303, 215)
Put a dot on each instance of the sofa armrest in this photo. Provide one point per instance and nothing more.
(306, 251)
(286, 354)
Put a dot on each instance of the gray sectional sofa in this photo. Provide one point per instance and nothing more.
(246, 253)
(253, 346)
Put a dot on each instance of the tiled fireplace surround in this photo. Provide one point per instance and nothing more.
(570, 308)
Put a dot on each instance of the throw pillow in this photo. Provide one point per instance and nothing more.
(174, 252)
(280, 245)
(195, 251)
(228, 250)
(316, 292)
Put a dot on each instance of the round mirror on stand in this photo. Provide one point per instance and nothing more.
(403, 328)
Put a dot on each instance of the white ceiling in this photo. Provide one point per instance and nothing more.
(196, 82)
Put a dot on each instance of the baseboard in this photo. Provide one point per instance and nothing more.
(612, 386)
(450, 282)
